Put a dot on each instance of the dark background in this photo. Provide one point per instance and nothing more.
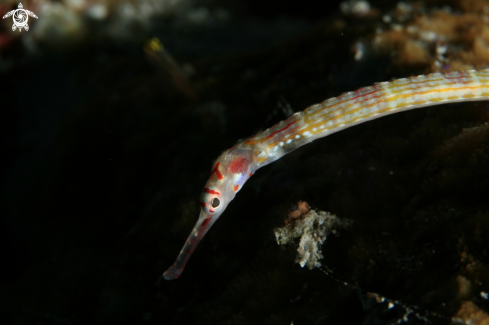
(104, 157)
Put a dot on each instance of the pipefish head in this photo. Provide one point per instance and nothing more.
(230, 171)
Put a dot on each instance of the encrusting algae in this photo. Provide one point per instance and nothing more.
(312, 227)
(437, 40)
(415, 185)
(409, 189)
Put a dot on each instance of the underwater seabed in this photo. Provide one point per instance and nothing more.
(106, 150)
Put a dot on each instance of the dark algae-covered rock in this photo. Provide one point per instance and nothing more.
(106, 147)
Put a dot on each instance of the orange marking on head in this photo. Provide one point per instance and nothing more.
(216, 170)
(239, 165)
(210, 191)
(236, 188)
(205, 223)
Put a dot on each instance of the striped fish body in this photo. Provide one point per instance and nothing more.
(235, 165)
(365, 104)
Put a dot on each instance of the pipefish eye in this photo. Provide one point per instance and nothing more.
(210, 200)
(215, 202)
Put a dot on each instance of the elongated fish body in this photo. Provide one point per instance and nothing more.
(235, 165)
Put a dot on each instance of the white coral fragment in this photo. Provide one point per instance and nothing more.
(355, 7)
(312, 228)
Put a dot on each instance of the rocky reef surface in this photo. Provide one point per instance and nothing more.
(106, 145)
